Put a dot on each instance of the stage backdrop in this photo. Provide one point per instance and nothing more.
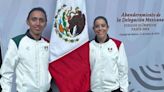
(138, 23)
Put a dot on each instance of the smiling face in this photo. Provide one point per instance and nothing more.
(37, 22)
(100, 28)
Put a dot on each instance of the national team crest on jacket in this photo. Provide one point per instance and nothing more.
(69, 23)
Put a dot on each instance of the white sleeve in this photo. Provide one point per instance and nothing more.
(8, 67)
(123, 69)
(91, 55)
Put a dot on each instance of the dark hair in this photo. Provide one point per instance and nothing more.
(37, 9)
(101, 17)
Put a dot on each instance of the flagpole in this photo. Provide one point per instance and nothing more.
(0, 63)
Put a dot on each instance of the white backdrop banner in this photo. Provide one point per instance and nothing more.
(138, 23)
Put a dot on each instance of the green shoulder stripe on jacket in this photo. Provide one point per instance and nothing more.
(17, 39)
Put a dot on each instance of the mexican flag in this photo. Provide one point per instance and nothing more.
(69, 47)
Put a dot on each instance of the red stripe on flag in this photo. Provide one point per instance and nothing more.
(71, 73)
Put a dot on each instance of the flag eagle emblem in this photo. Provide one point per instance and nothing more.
(69, 23)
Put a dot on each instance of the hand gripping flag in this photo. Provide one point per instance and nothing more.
(69, 47)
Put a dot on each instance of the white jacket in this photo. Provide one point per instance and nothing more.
(30, 62)
(109, 67)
